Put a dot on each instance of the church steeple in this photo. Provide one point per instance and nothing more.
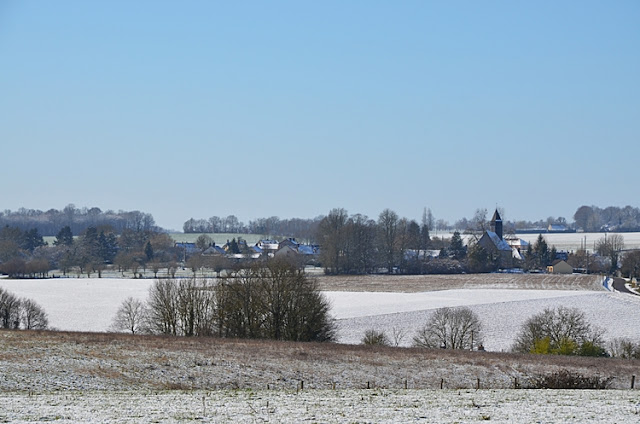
(496, 224)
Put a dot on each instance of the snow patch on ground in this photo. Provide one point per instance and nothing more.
(327, 406)
(89, 304)
(501, 321)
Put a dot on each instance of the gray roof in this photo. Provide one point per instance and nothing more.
(498, 242)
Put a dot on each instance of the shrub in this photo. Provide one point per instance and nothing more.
(565, 379)
(561, 331)
(624, 348)
(375, 338)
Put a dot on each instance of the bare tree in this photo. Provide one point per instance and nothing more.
(397, 335)
(450, 328)
(32, 316)
(275, 300)
(163, 308)
(610, 246)
(203, 242)
(195, 307)
(21, 313)
(479, 220)
(9, 310)
(388, 227)
(131, 316)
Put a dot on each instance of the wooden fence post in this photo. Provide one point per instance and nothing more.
(633, 381)
(442, 383)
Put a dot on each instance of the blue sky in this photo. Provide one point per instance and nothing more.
(194, 109)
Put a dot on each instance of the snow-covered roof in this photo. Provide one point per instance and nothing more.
(517, 242)
(306, 249)
(214, 250)
(498, 242)
(557, 227)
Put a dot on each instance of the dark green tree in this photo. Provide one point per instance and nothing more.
(233, 246)
(541, 252)
(148, 251)
(32, 239)
(456, 248)
(107, 246)
(479, 260)
(414, 240)
(90, 242)
(64, 237)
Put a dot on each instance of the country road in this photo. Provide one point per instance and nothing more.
(619, 285)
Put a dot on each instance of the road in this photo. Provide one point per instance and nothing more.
(618, 285)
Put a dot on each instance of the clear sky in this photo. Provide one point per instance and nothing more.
(199, 108)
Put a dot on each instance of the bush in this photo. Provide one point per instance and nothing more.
(375, 338)
(624, 348)
(565, 379)
(561, 331)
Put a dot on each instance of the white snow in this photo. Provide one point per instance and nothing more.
(89, 304)
(361, 304)
(326, 406)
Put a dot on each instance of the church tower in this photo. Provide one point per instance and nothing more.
(496, 224)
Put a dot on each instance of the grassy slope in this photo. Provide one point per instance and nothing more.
(48, 361)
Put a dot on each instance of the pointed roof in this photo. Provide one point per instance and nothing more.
(496, 216)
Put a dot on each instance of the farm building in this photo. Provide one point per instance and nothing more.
(560, 267)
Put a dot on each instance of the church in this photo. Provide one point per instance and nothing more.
(493, 242)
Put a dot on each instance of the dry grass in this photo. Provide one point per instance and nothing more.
(46, 361)
(422, 283)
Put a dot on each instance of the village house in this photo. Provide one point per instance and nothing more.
(560, 267)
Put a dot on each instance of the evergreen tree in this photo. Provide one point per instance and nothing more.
(64, 237)
(148, 251)
(107, 246)
(427, 224)
(413, 236)
(32, 239)
(457, 247)
(541, 252)
(233, 246)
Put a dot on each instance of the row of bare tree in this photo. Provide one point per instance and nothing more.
(272, 300)
(16, 313)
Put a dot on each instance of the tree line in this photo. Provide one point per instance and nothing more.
(24, 254)
(48, 223)
(299, 228)
(25, 314)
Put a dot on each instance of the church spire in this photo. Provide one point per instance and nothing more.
(496, 224)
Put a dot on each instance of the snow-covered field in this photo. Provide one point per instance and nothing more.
(89, 305)
(573, 241)
(326, 406)
(502, 313)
